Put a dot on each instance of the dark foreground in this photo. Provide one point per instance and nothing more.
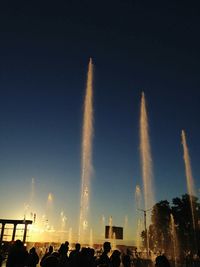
(17, 255)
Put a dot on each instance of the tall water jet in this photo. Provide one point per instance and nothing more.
(91, 243)
(110, 232)
(138, 206)
(174, 239)
(138, 197)
(87, 136)
(70, 237)
(146, 161)
(103, 226)
(189, 177)
(126, 227)
(145, 154)
(32, 201)
(114, 244)
(49, 209)
(138, 234)
(63, 221)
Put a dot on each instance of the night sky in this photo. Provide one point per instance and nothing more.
(136, 45)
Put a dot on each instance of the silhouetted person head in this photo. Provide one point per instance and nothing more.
(17, 255)
(66, 243)
(106, 247)
(77, 247)
(32, 250)
(63, 249)
(162, 261)
(115, 258)
(50, 249)
(18, 243)
(51, 261)
(128, 252)
(91, 252)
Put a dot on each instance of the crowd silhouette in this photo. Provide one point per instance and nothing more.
(19, 256)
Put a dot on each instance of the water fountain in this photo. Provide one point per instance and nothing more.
(125, 227)
(91, 243)
(189, 177)
(138, 197)
(174, 239)
(138, 234)
(87, 135)
(146, 163)
(138, 201)
(70, 237)
(110, 232)
(146, 159)
(103, 227)
(113, 243)
(49, 208)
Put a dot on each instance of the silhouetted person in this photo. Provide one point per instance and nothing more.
(74, 256)
(33, 258)
(18, 256)
(84, 257)
(92, 258)
(126, 259)
(162, 261)
(115, 258)
(137, 261)
(104, 260)
(46, 255)
(52, 260)
(1, 259)
(63, 257)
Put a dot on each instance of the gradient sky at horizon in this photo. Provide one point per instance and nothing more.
(136, 46)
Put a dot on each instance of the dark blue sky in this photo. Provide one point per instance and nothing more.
(135, 45)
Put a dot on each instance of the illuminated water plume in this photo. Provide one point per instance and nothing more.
(114, 244)
(174, 239)
(146, 159)
(70, 236)
(63, 220)
(138, 234)
(138, 197)
(110, 232)
(91, 243)
(126, 227)
(50, 209)
(188, 172)
(87, 135)
(103, 226)
(146, 163)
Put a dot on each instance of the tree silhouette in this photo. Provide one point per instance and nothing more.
(161, 232)
(188, 234)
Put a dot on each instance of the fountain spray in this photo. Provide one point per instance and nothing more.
(87, 136)
(174, 239)
(146, 161)
(188, 171)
